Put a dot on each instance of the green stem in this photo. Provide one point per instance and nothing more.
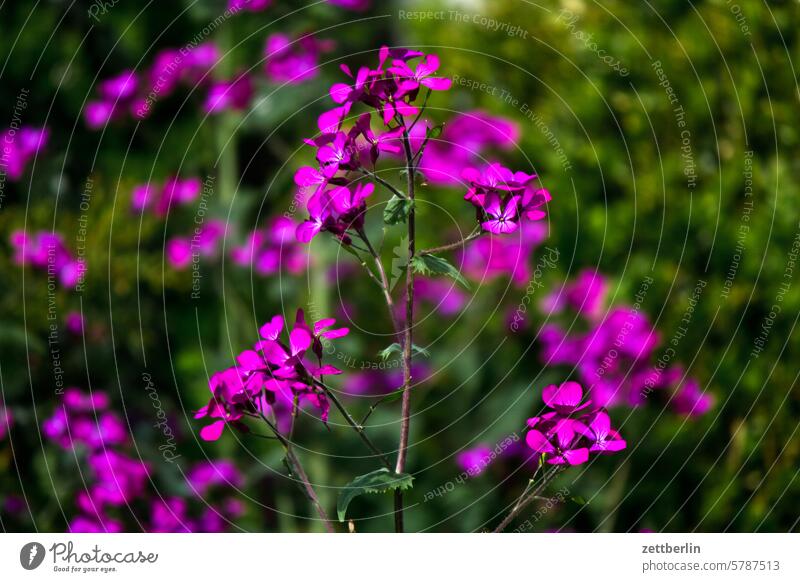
(523, 502)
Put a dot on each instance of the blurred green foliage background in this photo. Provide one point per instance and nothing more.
(622, 203)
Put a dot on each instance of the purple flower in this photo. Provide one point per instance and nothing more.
(18, 146)
(491, 256)
(689, 399)
(502, 218)
(464, 141)
(565, 438)
(118, 88)
(614, 357)
(83, 419)
(74, 323)
(229, 95)
(271, 376)
(387, 142)
(445, 295)
(84, 524)
(357, 5)
(249, 5)
(272, 249)
(205, 242)
(585, 295)
(293, 61)
(474, 460)
(207, 474)
(564, 399)
(421, 75)
(47, 252)
(179, 252)
(597, 428)
(174, 191)
(557, 441)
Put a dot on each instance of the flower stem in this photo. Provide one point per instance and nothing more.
(297, 468)
(405, 414)
(448, 247)
(355, 426)
(384, 280)
(524, 501)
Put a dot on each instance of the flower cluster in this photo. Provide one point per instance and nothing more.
(116, 479)
(159, 199)
(570, 430)
(390, 89)
(614, 357)
(503, 199)
(84, 420)
(271, 249)
(209, 480)
(181, 251)
(273, 378)
(46, 251)
(19, 146)
(293, 61)
(132, 94)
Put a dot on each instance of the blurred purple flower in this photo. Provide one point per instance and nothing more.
(293, 60)
(46, 251)
(18, 146)
(474, 460)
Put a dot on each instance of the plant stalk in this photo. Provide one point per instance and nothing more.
(524, 501)
(405, 414)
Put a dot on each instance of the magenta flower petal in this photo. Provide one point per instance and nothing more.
(567, 395)
(272, 329)
(299, 340)
(538, 442)
(213, 431)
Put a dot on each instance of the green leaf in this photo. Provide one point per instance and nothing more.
(379, 481)
(435, 131)
(433, 265)
(396, 347)
(397, 210)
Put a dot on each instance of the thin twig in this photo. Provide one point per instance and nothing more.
(301, 474)
(523, 503)
(357, 427)
(435, 250)
(388, 185)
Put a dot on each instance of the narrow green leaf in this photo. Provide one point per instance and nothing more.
(380, 481)
(397, 348)
(435, 131)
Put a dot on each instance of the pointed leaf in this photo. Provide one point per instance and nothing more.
(380, 481)
(397, 210)
(433, 265)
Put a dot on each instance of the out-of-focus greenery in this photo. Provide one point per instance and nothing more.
(622, 203)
